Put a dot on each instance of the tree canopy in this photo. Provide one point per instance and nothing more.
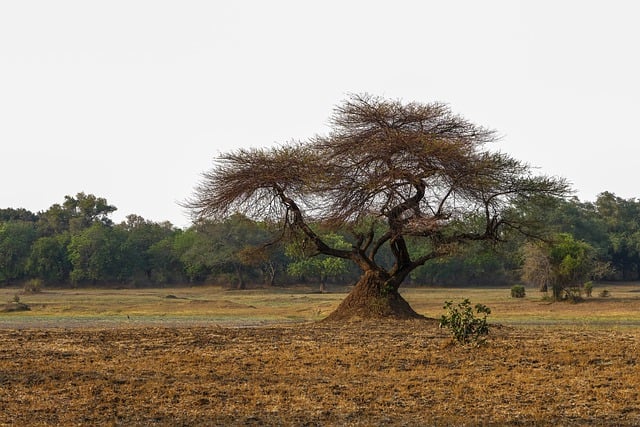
(390, 173)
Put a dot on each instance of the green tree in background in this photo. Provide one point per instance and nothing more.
(219, 248)
(165, 261)
(48, 259)
(96, 255)
(16, 238)
(564, 264)
(20, 214)
(622, 221)
(142, 263)
(314, 264)
(75, 214)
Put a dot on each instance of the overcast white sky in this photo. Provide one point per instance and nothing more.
(131, 100)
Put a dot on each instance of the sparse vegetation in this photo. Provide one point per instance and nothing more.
(33, 286)
(172, 363)
(15, 305)
(464, 325)
(588, 288)
(400, 373)
(518, 291)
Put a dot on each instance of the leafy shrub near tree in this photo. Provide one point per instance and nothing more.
(464, 325)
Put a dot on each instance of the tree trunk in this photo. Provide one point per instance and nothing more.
(241, 285)
(271, 274)
(369, 299)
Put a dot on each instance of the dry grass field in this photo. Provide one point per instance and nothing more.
(214, 357)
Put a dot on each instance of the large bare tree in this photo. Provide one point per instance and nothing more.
(410, 176)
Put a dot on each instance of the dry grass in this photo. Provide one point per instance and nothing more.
(574, 365)
(206, 305)
(404, 373)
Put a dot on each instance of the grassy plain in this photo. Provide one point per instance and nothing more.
(207, 356)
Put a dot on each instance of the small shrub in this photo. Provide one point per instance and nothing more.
(517, 291)
(547, 298)
(33, 286)
(463, 323)
(573, 294)
(588, 288)
(604, 293)
(15, 305)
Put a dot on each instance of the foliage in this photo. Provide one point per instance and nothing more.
(473, 264)
(463, 324)
(518, 291)
(149, 253)
(16, 238)
(222, 248)
(314, 264)
(48, 259)
(96, 255)
(588, 288)
(562, 263)
(20, 214)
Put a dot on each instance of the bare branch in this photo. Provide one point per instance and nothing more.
(417, 168)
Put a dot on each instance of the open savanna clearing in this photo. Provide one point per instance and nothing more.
(205, 305)
(136, 357)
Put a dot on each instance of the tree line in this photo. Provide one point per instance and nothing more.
(75, 243)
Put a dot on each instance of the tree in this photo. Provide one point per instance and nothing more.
(563, 263)
(48, 259)
(220, 248)
(317, 264)
(75, 214)
(142, 235)
(622, 222)
(410, 170)
(96, 255)
(191, 249)
(166, 264)
(16, 238)
(536, 266)
(20, 214)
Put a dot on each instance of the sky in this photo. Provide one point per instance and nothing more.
(132, 100)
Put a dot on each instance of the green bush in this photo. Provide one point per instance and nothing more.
(517, 291)
(464, 325)
(588, 288)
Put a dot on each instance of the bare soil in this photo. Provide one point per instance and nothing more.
(359, 374)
